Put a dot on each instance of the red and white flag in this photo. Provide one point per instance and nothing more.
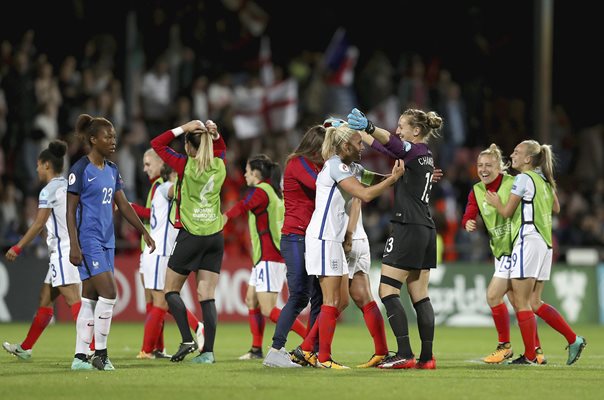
(271, 108)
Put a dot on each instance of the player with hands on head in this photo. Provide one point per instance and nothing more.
(199, 245)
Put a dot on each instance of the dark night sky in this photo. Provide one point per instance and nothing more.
(431, 28)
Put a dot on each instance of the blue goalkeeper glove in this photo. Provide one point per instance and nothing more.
(358, 121)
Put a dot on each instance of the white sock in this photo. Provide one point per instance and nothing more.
(85, 326)
(102, 322)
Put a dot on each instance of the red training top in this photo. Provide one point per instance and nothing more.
(299, 188)
(472, 206)
(256, 201)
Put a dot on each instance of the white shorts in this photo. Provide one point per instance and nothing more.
(503, 267)
(61, 272)
(140, 264)
(268, 276)
(154, 271)
(531, 258)
(359, 258)
(325, 258)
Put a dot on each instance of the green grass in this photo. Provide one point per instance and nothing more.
(460, 374)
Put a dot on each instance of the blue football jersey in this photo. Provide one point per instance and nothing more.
(96, 188)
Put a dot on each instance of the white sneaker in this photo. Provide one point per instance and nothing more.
(200, 334)
(17, 351)
(279, 359)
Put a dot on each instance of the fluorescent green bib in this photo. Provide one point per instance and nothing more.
(199, 198)
(276, 212)
(498, 227)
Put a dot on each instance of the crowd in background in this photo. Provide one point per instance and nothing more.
(168, 83)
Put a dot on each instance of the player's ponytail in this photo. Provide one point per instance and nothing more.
(334, 138)
(87, 127)
(429, 123)
(54, 154)
(542, 157)
(201, 141)
(268, 170)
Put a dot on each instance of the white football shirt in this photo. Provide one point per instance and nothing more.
(329, 219)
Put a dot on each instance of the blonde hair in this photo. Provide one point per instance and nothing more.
(429, 123)
(542, 157)
(201, 141)
(334, 138)
(152, 153)
(165, 169)
(494, 151)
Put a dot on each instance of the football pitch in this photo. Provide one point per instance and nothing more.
(459, 375)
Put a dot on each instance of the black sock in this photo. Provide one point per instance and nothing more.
(210, 320)
(100, 353)
(398, 322)
(179, 312)
(425, 325)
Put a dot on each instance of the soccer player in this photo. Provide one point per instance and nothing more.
(62, 277)
(157, 212)
(358, 258)
(94, 186)
(410, 251)
(299, 176)
(493, 175)
(535, 188)
(264, 206)
(199, 245)
(338, 181)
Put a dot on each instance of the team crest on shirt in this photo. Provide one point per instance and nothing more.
(344, 168)
(486, 208)
(72, 178)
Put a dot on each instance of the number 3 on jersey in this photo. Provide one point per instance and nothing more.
(389, 245)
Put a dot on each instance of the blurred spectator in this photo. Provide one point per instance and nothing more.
(156, 97)
(199, 94)
(412, 89)
(40, 98)
(452, 109)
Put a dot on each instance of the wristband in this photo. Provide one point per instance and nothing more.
(370, 128)
(16, 249)
(178, 131)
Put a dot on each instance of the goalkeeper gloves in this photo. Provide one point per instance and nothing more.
(358, 121)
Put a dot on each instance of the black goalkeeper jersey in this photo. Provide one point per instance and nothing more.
(412, 191)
